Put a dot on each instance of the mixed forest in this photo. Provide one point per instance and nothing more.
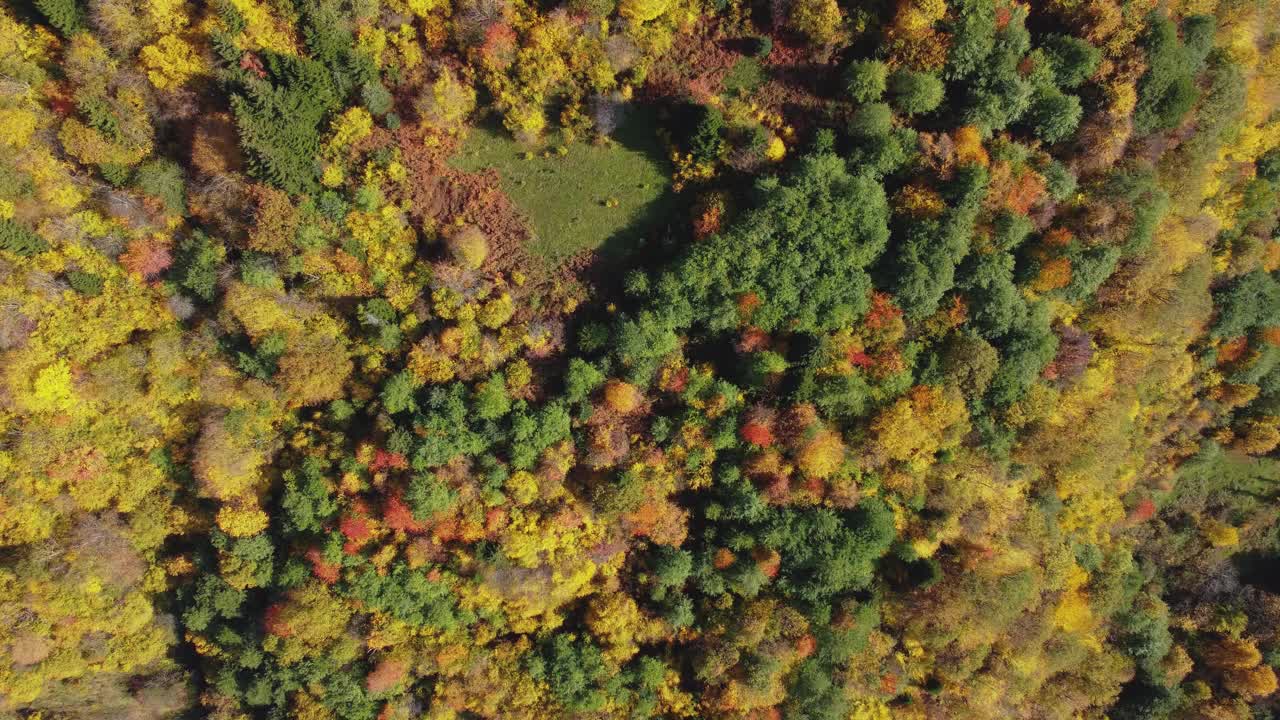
(672, 359)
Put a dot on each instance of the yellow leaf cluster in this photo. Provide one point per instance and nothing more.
(822, 456)
(919, 15)
(351, 126)
(819, 20)
(1220, 534)
(170, 62)
(51, 389)
(242, 521)
(642, 10)
(616, 620)
(18, 125)
(535, 539)
(262, 30)
(918, 425)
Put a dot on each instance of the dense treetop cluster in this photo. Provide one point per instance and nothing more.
(943, 380)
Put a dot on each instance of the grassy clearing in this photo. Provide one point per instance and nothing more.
(603, 198)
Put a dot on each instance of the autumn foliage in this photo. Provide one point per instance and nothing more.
(937, 374)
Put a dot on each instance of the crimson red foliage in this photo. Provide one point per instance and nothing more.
(384, 460)
(397, 516)
(677, 380)
(769, 562)
(757, 434)
(326, 572)
(1143, 511)
(858, 358)
(882, 312)
(777, 490)
(816, 487)
(59, 97)
(358, 530)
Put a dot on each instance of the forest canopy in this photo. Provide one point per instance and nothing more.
(669, 359)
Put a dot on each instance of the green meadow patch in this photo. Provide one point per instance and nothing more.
(579, 196)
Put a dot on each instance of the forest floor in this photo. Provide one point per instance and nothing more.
(582, 199)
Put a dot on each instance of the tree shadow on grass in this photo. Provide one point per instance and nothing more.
(654, 222)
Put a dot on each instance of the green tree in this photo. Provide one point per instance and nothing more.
(574, 670)
(376, 98)
(279, 120)
(825, 554)
(927, 251)
(873, 120)
(427, 496)
(398, 392)
(1054, 115)
(491, 399)
(19, 240)
(1167, 91)
(66, 16)
(196, 264)
(1251, 300)
(865, 80)
(163, 179)
(1072, 60)
(581, 379)
(802, 252)
(915, 93)
(706, 143)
